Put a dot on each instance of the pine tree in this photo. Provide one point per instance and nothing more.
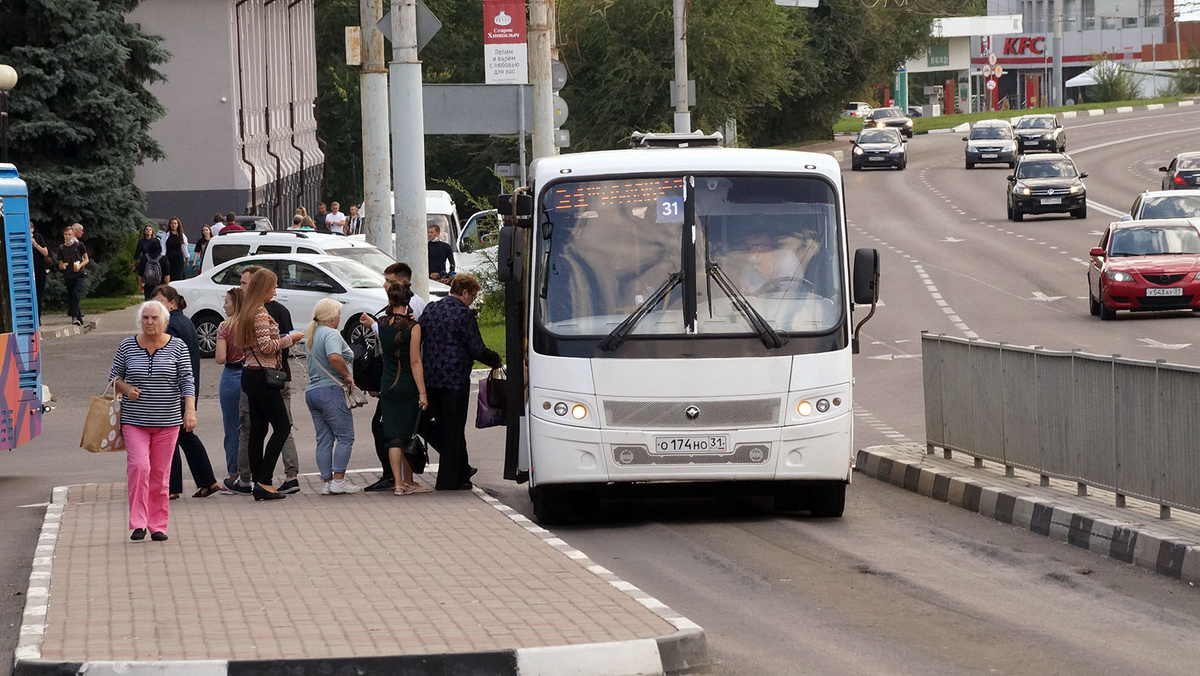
(80, 118)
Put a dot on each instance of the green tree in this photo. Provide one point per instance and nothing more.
(1113, 82)
(80, 119)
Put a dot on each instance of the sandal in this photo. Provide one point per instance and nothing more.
(418, 488)
(205, 492)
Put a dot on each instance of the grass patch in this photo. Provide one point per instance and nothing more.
(492, 331)
(920, 124)
(93, 306)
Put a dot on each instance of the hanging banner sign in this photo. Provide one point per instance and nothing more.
(505, 52)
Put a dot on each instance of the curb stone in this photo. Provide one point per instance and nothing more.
(682, 651)
(1137, 544)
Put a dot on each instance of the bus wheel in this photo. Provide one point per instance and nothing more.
(828, 501)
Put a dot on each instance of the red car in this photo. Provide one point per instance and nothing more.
(1145, 265)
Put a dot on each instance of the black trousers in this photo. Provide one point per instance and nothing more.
(266, 410)
(39, 281)
(198, 462)
(448, 434)
(381, 449)
(74, 295)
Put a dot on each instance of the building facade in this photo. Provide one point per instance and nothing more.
(240, 130)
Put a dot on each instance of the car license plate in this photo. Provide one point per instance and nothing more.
(877, 159)
(690, 444)
(1031, 142)
(989, 156)
(1051, 200)
(1177, 291)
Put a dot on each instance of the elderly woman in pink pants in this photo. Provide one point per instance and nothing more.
(154, 375)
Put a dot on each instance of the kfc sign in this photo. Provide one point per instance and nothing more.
(1022, 46)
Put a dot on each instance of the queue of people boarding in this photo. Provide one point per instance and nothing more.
(427, 351)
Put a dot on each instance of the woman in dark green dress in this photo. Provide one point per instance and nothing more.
(403, 383)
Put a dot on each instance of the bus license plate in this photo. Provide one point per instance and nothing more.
(1177, 291)
(710, 444)
(1051, 200)
(989, 156)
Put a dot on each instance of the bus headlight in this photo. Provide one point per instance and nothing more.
(579, 411)
(560, 408)
(804, 408)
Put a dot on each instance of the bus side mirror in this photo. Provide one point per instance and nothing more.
(866, 276)
(506, 270)
(518, 205)
(865, 284)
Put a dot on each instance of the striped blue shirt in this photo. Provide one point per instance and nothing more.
(164, 378)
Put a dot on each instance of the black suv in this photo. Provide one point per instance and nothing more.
(1046, 184)
(882, 118)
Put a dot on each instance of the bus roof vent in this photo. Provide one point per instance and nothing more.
(692, 140)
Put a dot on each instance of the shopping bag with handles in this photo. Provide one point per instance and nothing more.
(102, 426)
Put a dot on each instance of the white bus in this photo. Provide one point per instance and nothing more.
(680, 315)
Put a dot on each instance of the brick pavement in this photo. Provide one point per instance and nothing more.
(328, 578)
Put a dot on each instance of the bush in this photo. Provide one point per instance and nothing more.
(119, 279)
(1187, 80)
(1113, 83)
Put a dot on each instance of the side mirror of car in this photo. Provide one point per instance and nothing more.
(1097, 251)
(1162, 169)
(1126, 217)
(966, 139)
(1011, 177)
(1083, 175)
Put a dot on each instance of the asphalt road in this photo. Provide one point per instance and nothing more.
(899, 585)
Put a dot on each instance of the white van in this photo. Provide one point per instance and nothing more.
(441, 210)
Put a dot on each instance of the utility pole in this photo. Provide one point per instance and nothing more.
(377, 159)
(683, 118)
(539, 76)
(408, 145)
(1057, 81)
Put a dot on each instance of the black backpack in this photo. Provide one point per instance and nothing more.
(368, 364)
(152, 275)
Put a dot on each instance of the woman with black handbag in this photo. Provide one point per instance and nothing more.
(257, 334)
(402, 397)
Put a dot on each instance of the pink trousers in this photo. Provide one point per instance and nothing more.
(148, 466)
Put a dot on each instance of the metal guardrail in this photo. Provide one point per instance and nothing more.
(1125, 425)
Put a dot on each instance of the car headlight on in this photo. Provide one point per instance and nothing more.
(1116, 276)
(1010, 147)
(880, 125)
(1021, 189)
(1076, 189)
(858, 151)
(908, 123)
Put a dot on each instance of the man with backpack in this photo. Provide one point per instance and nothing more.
(153, 269)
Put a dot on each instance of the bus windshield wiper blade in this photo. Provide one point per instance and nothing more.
(769, 336)
(618, 335)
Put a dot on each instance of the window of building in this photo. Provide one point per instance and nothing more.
(1108, 22)
(1089, 15)
(1152, 10)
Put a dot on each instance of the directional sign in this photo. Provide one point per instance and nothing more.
(1150, 342)
(1038, 295)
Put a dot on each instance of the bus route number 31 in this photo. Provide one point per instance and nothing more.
(711, 444)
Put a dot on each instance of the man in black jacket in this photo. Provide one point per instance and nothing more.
(441, 254)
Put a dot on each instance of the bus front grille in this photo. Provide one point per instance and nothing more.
(743, 454)
(735, 414)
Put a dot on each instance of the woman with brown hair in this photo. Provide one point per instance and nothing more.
(176, 248)
(403, 382)
(257, 334)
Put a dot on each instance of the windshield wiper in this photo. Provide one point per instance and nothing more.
(769, 336)
(618, 335)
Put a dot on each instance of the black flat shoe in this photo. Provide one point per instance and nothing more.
(158, 536)
(138, 534)
(261, 493)
(381, 485)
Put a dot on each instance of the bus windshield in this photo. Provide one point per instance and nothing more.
(757, 249)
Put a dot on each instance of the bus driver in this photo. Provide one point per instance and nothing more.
(766, 260)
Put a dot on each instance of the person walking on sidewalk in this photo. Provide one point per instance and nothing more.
(403, 397)
(153, 374)
(72, 259)
(328, 354)
(153, 269)
(450, 345)
(230, 357)
(182, 328)
(257, 334)
(176, 246)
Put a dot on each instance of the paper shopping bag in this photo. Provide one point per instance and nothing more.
(102, 426)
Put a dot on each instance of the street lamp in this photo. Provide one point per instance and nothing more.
(8, 80)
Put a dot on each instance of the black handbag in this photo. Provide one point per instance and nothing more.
(417, 454)
(276, 379)
(496, 388)
(368, 364)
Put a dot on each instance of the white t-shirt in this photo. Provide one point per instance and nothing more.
(416, 304)
(216, 228)
(335, 222)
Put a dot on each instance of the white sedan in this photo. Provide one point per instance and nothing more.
(304, 279)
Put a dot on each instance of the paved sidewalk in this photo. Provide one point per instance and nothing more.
(1134, 533)
(362, 584)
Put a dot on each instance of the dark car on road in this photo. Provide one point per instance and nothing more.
(1040, 132)
(991, 142)
(1046, 184)
(1183, 172)
(879, 148)
(892, 117)
(1145, 265)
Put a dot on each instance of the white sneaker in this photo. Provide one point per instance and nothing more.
(343, 486)
(325, 488)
